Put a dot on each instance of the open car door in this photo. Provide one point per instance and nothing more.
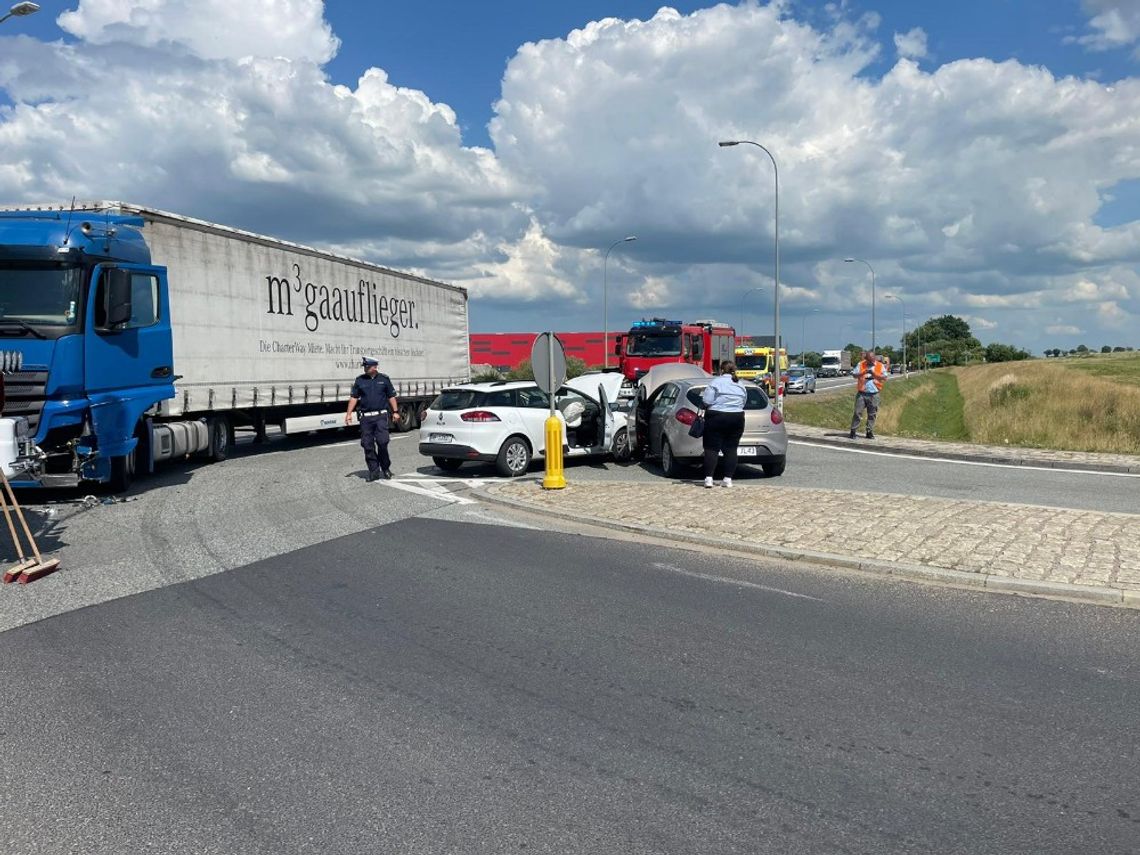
(607, 426)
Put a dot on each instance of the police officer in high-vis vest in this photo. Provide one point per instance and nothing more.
(374, 397)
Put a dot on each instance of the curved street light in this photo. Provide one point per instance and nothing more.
(903, 304)
(872, 269)
(19, 10)
(606, 302)
(776, 277)
(742, 299)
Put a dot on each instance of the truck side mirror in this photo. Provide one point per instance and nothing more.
(617, 345)
(116, 305)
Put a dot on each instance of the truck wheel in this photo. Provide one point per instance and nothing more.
(123, 472)
(669, 464)
(774, 468)
(447, 464)
(219, 447)
(514, 457)
(408, 420)
(622, 451)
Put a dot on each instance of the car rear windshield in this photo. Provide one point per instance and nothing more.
(757, 400)
(465, 399)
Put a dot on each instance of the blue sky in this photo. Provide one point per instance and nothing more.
(462, 62)
(981, 155)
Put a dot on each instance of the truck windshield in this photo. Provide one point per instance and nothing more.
(653, 344)
(752, 362)
(39, 294)
(829, 360)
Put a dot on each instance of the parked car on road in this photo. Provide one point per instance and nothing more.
(669, 403)
(801, 381)
(504, 422)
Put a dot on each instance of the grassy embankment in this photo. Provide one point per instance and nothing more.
(1080, 404)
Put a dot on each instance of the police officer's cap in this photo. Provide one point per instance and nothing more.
(368, 362)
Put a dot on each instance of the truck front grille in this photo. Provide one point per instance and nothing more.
(24, 395)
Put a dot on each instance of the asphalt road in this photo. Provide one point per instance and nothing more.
(438, 687)
(194, 519)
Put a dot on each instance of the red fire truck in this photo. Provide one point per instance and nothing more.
(652, 342)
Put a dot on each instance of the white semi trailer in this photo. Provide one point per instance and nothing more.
(154, 335)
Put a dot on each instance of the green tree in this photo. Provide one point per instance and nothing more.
(575, 367)
(998, 352)
(950, 337)
(1105, 349)
(813, 359)
(1082, 348)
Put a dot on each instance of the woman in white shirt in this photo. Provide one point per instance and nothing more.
(724, 400)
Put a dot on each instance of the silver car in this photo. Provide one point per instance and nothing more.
(667, 406)
(800, 381)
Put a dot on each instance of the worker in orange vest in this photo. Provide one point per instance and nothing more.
(870, 375)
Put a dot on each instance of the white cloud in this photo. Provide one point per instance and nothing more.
(1112, 316)
(912, 44)
(971, 186)
(1114, 24)
(976, 323)
(653, 293)
(1063, 329)
(211, 29)
(261, 142)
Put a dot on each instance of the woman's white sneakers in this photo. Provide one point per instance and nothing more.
(708, 482)
(727, 482)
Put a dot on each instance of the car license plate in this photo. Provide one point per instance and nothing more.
(442, 438)
(746, 451)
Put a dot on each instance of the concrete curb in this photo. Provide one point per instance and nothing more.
(970, 457)
(901, 570)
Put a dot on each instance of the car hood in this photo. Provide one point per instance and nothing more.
(588, 384)
(659, 375)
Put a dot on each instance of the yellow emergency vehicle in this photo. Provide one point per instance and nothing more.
(755, 364)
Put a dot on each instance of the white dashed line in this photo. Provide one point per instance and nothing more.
(739, 583)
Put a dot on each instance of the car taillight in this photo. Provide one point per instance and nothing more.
(479, 416)
(777, 418)
(686, 417)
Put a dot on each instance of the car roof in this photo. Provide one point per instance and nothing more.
(490, 385)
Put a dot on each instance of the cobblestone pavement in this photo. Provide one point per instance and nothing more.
(1080, 554)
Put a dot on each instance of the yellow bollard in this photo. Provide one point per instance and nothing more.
(554, 479)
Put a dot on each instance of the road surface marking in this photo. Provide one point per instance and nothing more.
(740, 583)
(439, 494)
(1018, 466)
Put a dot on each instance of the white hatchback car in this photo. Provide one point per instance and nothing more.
(505, 422)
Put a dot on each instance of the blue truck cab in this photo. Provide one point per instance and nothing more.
(88, 315)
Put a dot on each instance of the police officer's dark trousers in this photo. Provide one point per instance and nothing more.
(374, 438)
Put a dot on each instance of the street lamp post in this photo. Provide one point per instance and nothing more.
(19, 10)
(903, 304)
(803, 336)
(872, 269)
(606, 302)
(776, 253)
(742, 299)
